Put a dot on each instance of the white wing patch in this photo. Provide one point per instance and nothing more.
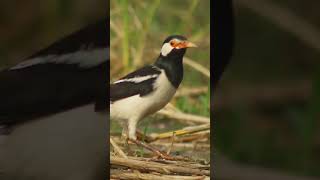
(137, 106)
(84, 58)
(137, 79)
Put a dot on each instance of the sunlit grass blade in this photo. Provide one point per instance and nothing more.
(143, 34)
(125, 39)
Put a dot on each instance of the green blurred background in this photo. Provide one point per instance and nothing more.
(138, 29)
(267, 104)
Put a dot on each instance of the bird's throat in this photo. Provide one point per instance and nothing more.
(173, 68)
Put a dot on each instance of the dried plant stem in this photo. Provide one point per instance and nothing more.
(184, 117)
(143, 35)
(187, 130)
(117, 149)
(172, 141)
(157, 167)
(203, 70)
(125, 39)
(189, 91)
(118, 174)
(182, 145)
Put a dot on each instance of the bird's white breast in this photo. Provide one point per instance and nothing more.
(139, 107)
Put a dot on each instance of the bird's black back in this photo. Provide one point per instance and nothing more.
(126, 89)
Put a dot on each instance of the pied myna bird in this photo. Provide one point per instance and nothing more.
(52, 120)
(147, 90)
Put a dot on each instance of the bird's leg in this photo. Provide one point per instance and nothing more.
(125, 138)
(132, 127)
(124, 134)
(143, 137)
(157, 152)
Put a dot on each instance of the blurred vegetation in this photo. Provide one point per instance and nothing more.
(279, 131)
(28, 26)
(267, 103)
(138, 29)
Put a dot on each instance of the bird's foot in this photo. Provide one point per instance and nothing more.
(143, 137)
(127, 146)
(157, 152)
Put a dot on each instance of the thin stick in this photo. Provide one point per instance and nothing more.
(203, 70)
(187, 130)
(184, 116)
(182, 145)
(172, 141)
(178, 144)
(188, 164)
(152, 149)
(118, 174)
(157, 167)
(188, 91)
(117, 149)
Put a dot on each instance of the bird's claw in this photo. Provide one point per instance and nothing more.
(157, 152)
(164, 156)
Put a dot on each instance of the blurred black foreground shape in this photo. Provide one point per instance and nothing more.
(223, 42)
(53, 110)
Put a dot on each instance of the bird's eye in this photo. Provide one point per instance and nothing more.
(171, 43)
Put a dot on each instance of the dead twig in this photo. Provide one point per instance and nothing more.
(178, 163)
(187, 130)
(184, 117)
(117, 149)
(188, 91)
(172, 141)
(198, 137)
(182, 145)
(203, 70)
(157, 167)
(118, 174)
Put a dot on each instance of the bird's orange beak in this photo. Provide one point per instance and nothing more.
(186, 44)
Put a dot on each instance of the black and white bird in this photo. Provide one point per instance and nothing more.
(52, 120)
(149, 89)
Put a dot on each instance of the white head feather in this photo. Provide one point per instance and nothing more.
(166, 49)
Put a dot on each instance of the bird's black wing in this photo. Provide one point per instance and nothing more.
(45, 85)
(130, 84)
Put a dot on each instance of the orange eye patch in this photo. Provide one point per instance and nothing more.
(173, 43)
(177, 44)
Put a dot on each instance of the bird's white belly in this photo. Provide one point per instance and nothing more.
(67, 145)
(139, 107)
